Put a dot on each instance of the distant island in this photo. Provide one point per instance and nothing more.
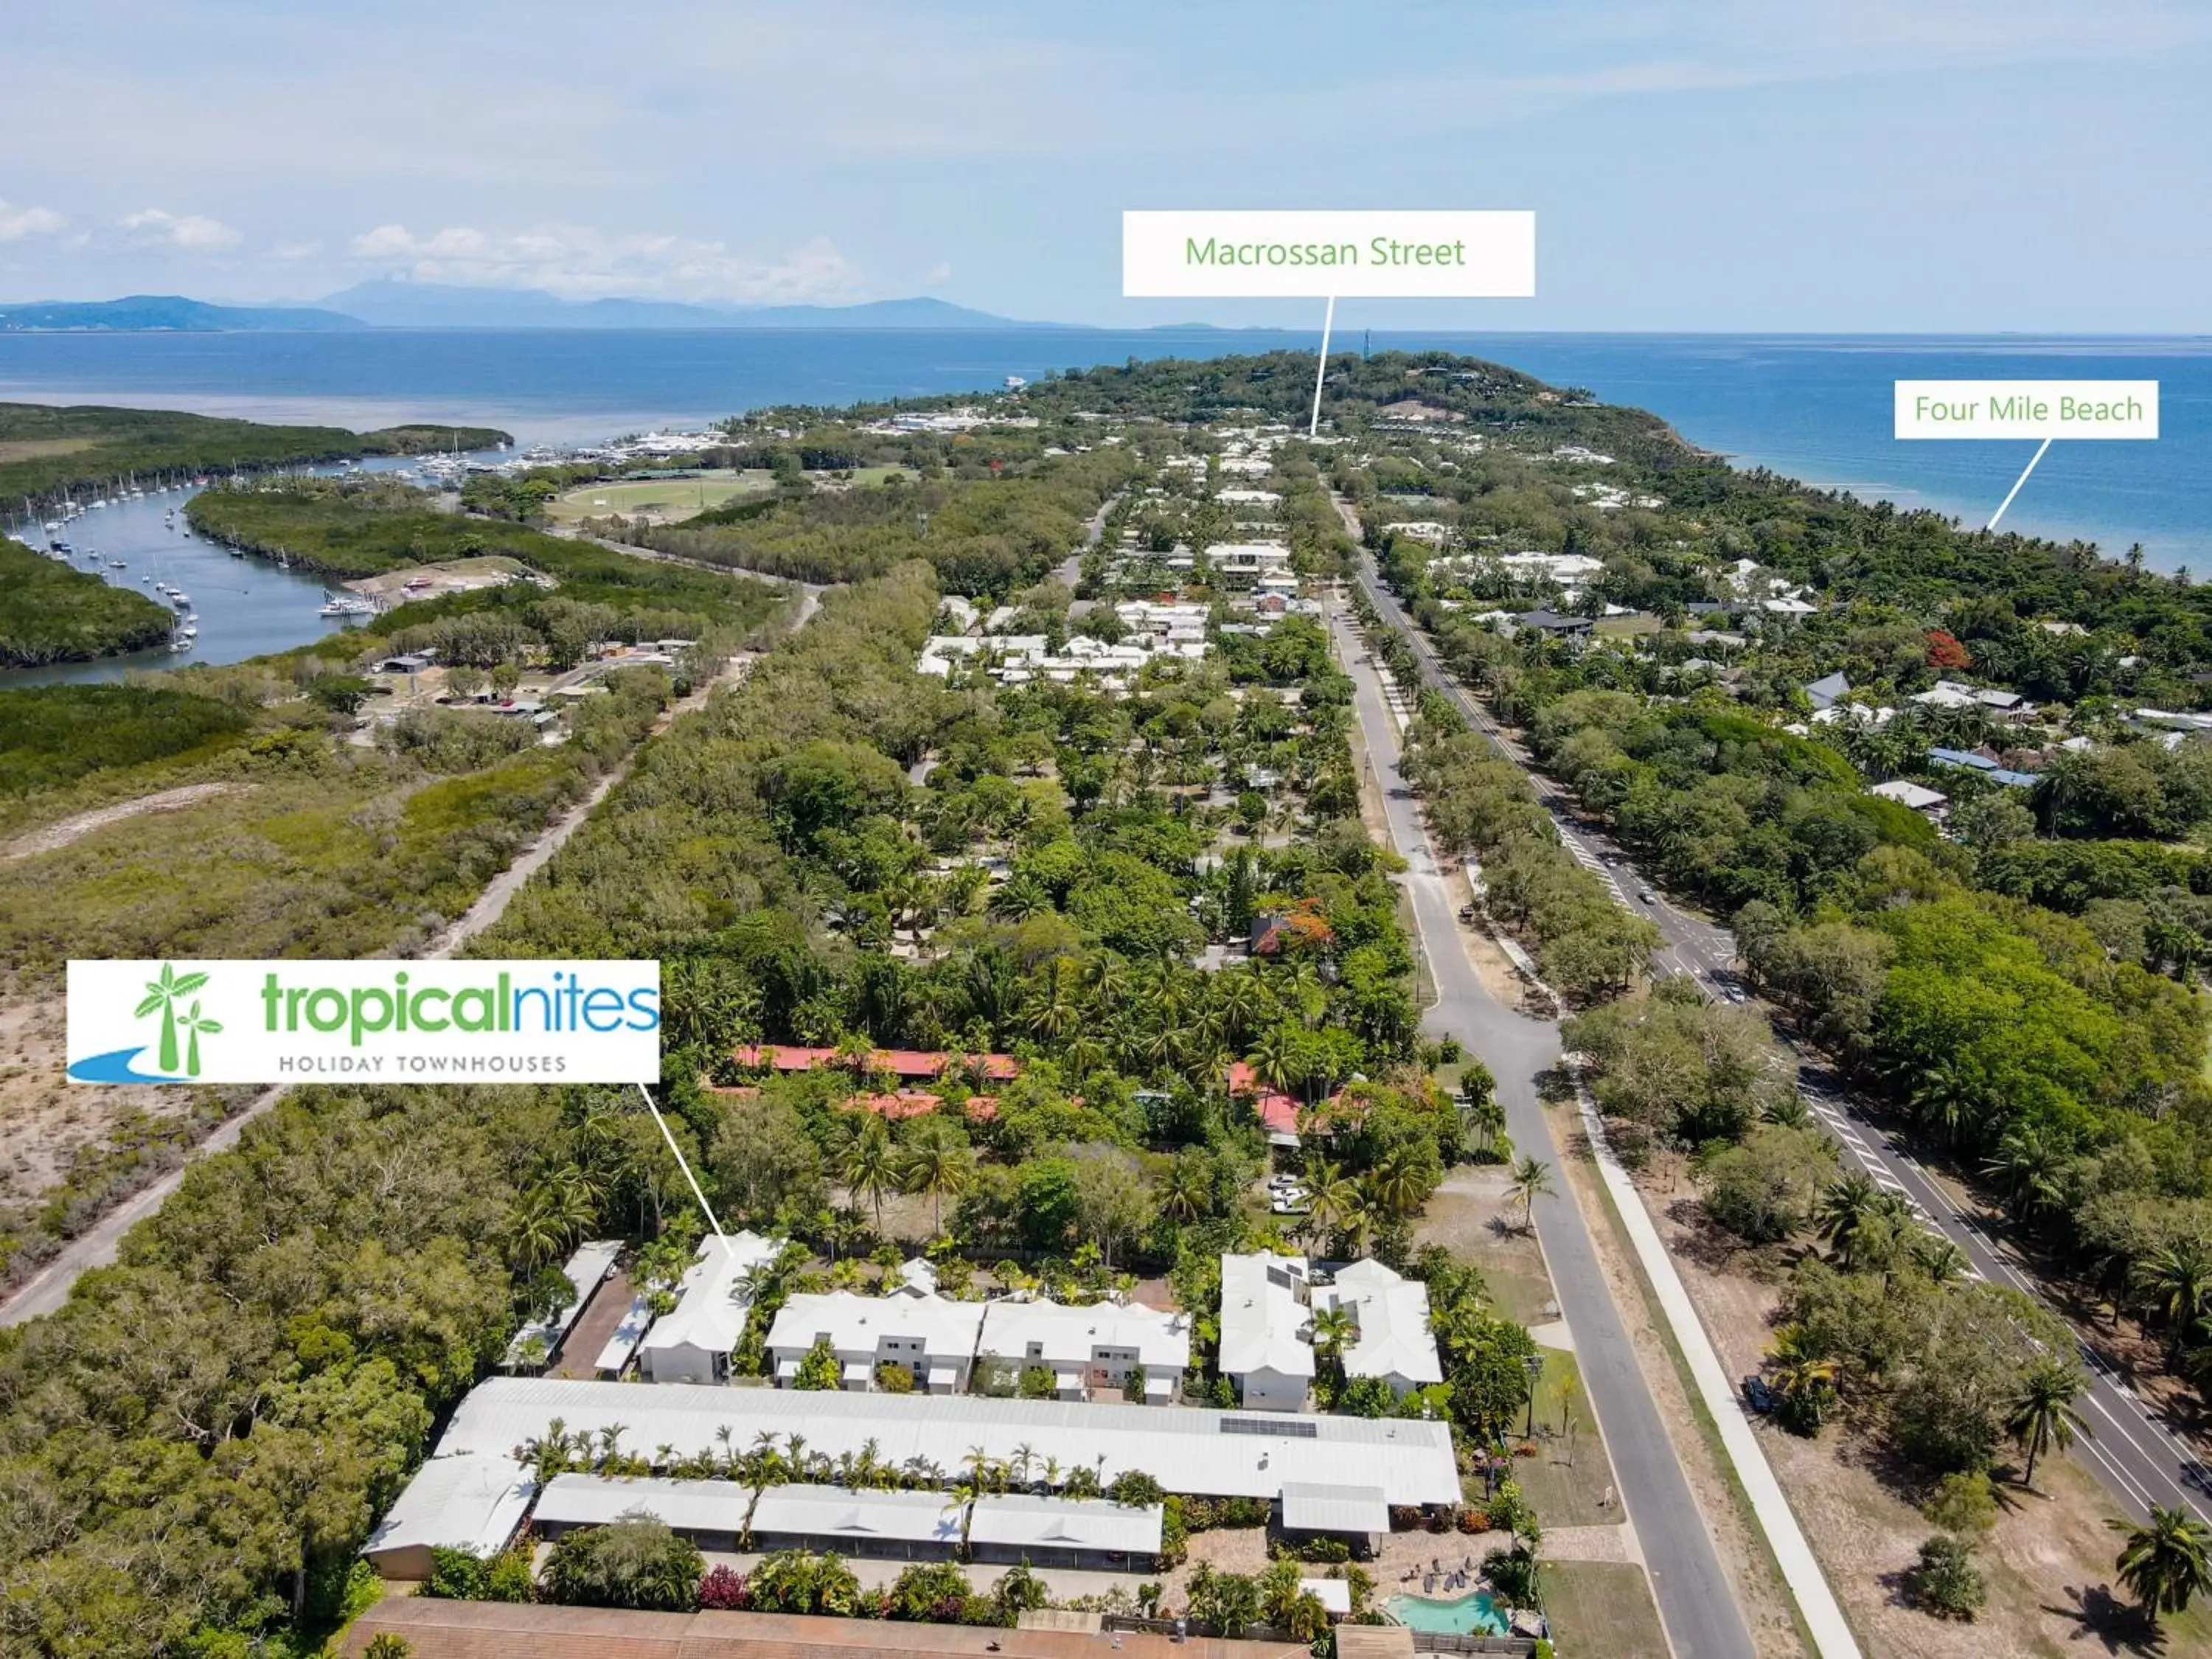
(386, 303)
(163, 313)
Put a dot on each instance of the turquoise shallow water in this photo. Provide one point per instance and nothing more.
(1469, 1615)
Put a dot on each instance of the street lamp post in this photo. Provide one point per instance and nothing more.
(1535, 1365)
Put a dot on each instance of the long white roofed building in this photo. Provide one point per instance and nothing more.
(1198, 1452)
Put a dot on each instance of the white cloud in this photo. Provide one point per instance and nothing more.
(191, 232)
(16, 223)
(295, 250)
(577, 262)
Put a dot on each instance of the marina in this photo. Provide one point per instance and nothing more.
(230, 605)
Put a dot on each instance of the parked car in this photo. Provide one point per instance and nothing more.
(1645, 893)
(1467, 913)
(1758, 1395)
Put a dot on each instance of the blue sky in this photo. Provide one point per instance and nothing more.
(1730, 165)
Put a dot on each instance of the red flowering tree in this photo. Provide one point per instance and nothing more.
(1944, 652)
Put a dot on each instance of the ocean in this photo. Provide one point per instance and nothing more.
(1815, 407)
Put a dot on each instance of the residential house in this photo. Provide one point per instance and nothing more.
(1266, 1330)
(692, 1342)
(933, 1337)
(1126, 1346)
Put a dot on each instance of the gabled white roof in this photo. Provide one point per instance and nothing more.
(473, 1502)
(834, 1512)
(1264, 1325)
(853, 1322)
(1018, 1520)
(1069, 1335)
(1391, 1315)
(707, 1314)
(593, 1500)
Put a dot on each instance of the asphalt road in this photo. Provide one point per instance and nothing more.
(2137, 1457)
(1696, 1603)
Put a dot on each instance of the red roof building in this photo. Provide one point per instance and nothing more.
(899, 1062)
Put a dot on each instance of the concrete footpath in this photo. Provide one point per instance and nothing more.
(1808, 1586)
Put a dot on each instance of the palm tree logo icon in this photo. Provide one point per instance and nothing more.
(162, 996)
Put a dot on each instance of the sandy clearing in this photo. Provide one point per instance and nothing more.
(58, 834)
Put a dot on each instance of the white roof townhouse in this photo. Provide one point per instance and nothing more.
(1267, 1307)
(691, 1342)
(1390, 1336)
(932, 1337)
(1139, 1349)
(1266, 1330)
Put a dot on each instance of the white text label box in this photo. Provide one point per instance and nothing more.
(2027, 409)
(1427, 254)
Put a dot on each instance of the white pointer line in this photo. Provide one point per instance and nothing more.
(680, 1164)
(1321, 368)
(1993, 517)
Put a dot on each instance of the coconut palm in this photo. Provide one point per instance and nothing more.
(1056, 1010)
(1846, 1208)
(2166, 1562)
(869, 1165)
(2040, 1413)
(2025, 1165)
(162, 996)
(1531, 1180)
(1331, 1329)
(1398, 1182)
(2176, 1281)
(1803, 1376)
(939, 1161)
(1942, 1261)
(1331, 1198)
(1184, 1190)
(1275, 1059)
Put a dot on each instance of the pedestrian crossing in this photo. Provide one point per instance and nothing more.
(1597, 866)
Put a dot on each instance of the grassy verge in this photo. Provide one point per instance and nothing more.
(1602, 1610)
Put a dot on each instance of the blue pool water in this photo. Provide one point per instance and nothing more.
(1469, 1615)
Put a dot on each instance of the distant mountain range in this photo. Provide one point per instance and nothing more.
(388, 304)
(162, 314)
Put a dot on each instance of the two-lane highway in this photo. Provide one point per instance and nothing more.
(1696, 1603)
(2139, 1458)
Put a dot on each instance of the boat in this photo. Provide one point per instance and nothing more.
(180, 644)
(115, 564)
(182, 600)
(346, 604)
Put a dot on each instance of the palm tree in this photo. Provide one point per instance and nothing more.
(2027, 1166)
(1275, 1059)
(1056, 1012)
(1397, 1181)
(1844, 1210)
(1185, 1188)
(1331, 1198)
(938, 1160)
(1242, 1003)
(2166, 1562)
(1531, 1180)
(2177, 1282)
(1944, 1262)
(162, 995)
(1331, 1329)
(1803, 1376)
(870, 1165)
(2041, 1411)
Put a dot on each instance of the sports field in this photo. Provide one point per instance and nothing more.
(665, 500)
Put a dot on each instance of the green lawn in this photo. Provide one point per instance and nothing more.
(666, 498)
(1565, 1493)
(1602, 1609)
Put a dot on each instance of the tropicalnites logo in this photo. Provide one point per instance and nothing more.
(285, 1021)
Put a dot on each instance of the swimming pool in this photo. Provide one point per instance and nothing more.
(1469, 1615)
